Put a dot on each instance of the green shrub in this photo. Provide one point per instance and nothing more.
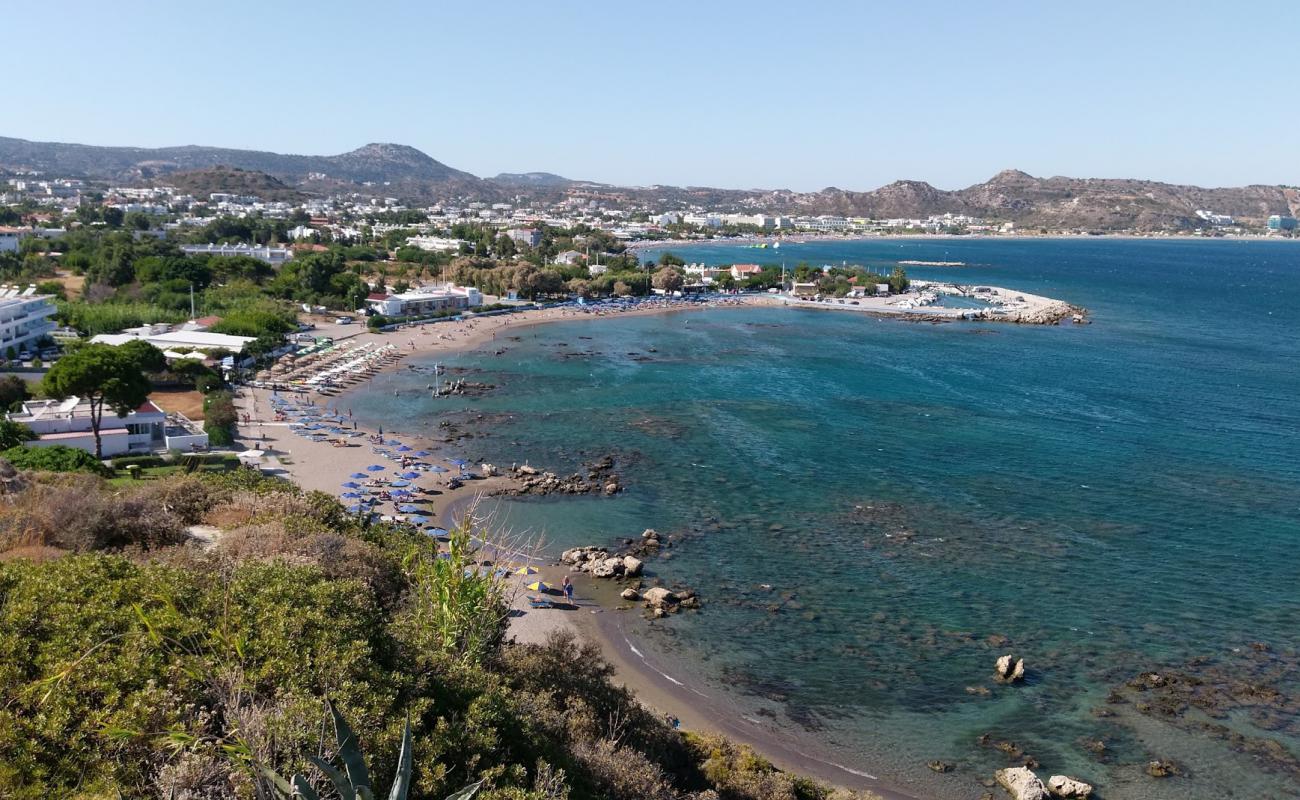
(54, 458)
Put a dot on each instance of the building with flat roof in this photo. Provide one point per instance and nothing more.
(275, 256)
(148, 428)
(1281, 222)
(181, 340)
(425, 300)
(24, 318)
(529, 236)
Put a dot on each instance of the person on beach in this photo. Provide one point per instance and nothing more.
(568, 590)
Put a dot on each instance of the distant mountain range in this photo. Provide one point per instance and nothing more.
(400, 171)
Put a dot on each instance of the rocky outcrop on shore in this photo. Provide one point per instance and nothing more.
(1021, 783)
(629, 564)
(600, 478)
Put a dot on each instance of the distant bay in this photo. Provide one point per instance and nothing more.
(1117, 503)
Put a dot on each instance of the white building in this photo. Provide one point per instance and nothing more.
(435, 244)
(526, 236)
(425, 300)
(275, 256)
(24, 318)
(177, 341)
(144, 430)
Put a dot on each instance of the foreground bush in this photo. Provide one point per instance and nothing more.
(171, 671)
(54, 458)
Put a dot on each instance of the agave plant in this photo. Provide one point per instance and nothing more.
(353, 783)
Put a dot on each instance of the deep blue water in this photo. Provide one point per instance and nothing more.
(1111, 498)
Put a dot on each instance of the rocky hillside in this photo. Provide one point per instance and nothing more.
(374, 163)
(393, 170)
(202, 182)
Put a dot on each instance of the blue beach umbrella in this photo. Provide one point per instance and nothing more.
(418, 520)
(350, 496)
(351, 485)
(399, 483)
(423, 454)
(405, 449)
(410, 476)
(358, 475)
(436, 468)
(437, 531)
(392, 443)
(376, 468)
(357, 509)
(407, 508)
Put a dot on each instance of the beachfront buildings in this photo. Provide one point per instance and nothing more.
(424, 301)
(744, 271)
(275, 256)
(67, 422)
(1279, 222)
(179, 341)
(24, 318)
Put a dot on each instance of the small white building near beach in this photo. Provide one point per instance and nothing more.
(144, 430)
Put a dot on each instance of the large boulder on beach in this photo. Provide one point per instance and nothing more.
(632, 566)
(1069, 788)
(630, 594)
(526, 470)
(658, 597)
(607, 568)
(1021, 783)
(1010, 669)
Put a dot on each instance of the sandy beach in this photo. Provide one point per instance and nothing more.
(320, 465)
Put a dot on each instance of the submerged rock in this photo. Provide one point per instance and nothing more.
(1021, 783)
(1162, 768)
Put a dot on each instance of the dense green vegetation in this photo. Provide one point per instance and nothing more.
(53, 458)
(134, 664)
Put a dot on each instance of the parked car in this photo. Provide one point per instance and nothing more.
(344, 320)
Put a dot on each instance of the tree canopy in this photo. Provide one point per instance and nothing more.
(104, 376)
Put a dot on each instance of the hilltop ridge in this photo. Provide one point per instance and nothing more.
(397, 170)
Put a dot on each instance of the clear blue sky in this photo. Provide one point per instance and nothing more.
(746, 94)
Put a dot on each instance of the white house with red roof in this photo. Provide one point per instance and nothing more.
(144, 430)
(742, 271)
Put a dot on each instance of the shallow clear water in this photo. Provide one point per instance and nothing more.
(1109, 498)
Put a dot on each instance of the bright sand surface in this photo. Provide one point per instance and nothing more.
(324, 467)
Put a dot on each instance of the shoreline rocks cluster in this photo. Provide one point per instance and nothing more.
(1022, 784)
(601, 562)
(600, 478)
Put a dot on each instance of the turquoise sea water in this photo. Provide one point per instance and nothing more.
(1102, 500)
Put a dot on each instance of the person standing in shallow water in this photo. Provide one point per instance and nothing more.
(568, 590)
